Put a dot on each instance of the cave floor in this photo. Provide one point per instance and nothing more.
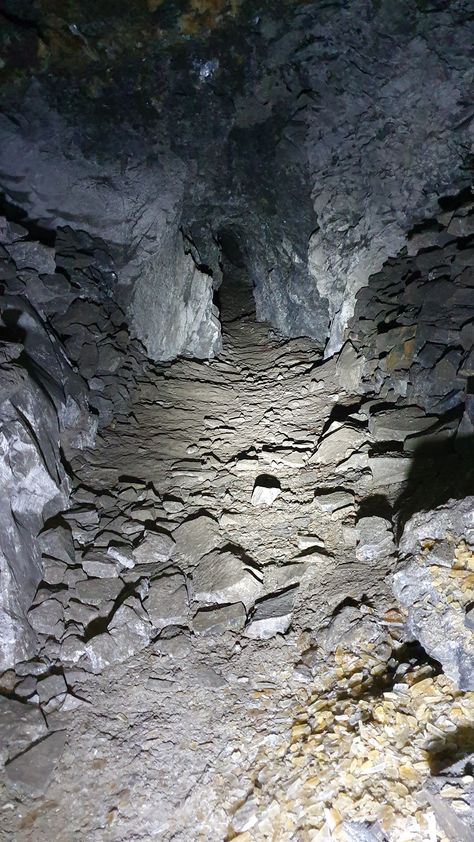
(214, 734)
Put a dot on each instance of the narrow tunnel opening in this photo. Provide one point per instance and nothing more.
(234, 297)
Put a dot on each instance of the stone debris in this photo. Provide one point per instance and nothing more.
(231, 542)
(381, 736)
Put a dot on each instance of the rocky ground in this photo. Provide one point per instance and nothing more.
(248, 626)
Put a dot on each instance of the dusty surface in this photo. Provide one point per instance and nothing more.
(222, 736)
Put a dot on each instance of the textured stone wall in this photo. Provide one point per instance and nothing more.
(320, 134)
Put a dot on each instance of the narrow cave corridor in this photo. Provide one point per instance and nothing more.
(237, 426)
(235, 296)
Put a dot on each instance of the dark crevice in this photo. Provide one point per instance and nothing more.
(342, 413)
(36, 232)
(452, 203)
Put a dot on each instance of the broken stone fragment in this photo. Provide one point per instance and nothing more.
(219, 620)
(272, 615)
(54, 571)
(33, 255)
(31, 771)
(353, 629)
(99, 566)
(338, 444)
(58, 543)
(98, 591)
(349, 369)
(80, 613)
(20, 725)
(332, 501)
(309, 542)
(398, 423)
(389, 470)
(375, 539)
(72, 649)
(48, 688)
(128, 632)
(223, 577)
(155, 547)
(167, 602)
(122, 554)
(48, 618)
(26, 687)
(265, 491)
(196, 537)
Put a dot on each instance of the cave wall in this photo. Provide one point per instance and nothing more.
(321, 134)
(67, 367)
(44, 413)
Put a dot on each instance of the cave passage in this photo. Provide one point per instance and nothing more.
(223, 567)
(234, 298)
(236, 421)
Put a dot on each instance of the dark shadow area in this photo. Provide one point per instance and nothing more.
(441, 469)
(452, 203)
(267, 481)
(342, 412)
(11, 330)
(234, 298)
(456, 750)
(377, 505)
(14, 213)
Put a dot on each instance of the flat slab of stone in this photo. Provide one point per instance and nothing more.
(100, 566)
(196, 537)
(265, 491)
(397, 424)
(155, 547)
(220, 620)
(389, 470)
(272, 615)
(222, 577)
(333, 501)
(20, 725)
(262, 496)
(97, 591)
(31, 771)
(338, 444)
(167, 602)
